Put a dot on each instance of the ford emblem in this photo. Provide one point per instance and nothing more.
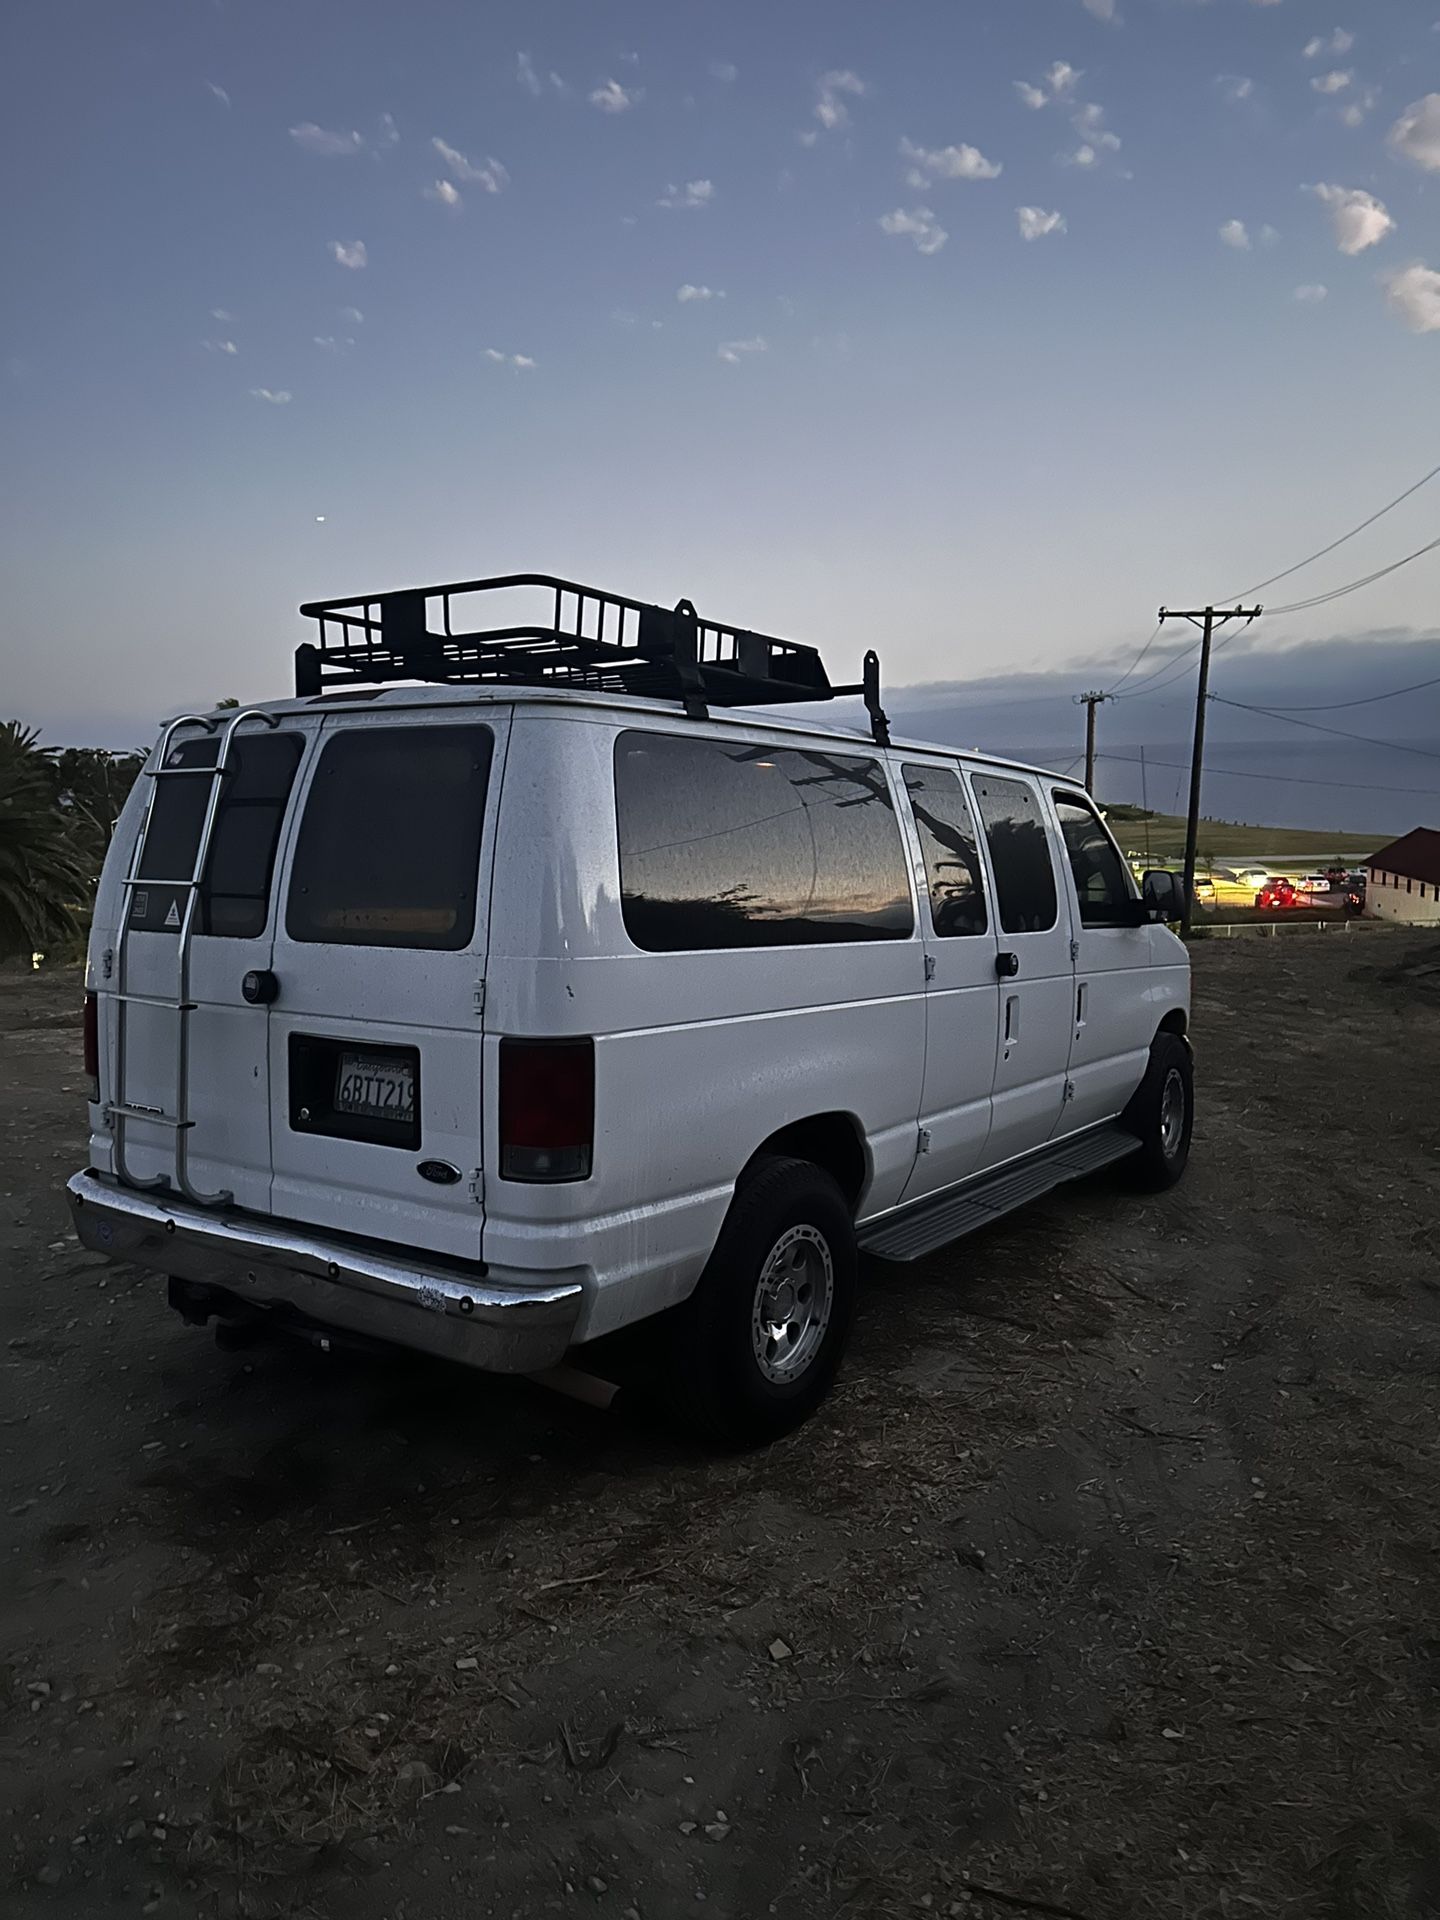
(440, 1171)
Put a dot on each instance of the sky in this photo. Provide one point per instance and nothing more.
(971, 330)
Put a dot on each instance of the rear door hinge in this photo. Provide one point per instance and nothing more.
(476, 1188)
(1074, 952)
(929, 966)
(479, 999)
(923, 1143)
(1069, 1089)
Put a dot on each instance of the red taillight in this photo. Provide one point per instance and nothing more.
(92, 1044)
(547, 1109)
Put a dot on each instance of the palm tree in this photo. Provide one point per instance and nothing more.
(45, 878)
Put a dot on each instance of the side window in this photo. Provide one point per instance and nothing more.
(388, 853)
(234, 902)
(726, 844)
(947, 839)
(1097, 867)
(1019, 853)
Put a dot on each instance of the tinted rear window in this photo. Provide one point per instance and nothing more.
(234, 900)
(724, 844)
(1019, 853)
(952, 860)
(388, 853)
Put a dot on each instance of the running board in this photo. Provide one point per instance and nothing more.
(933, 1222)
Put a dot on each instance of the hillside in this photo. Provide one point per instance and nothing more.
(1162, 836)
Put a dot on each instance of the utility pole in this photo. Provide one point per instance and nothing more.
(1207, 619)
(1090, 701)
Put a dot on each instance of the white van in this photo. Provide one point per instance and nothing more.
(494, 1014)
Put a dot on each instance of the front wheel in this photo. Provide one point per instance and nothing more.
(1162, 1114)
(755, 1348)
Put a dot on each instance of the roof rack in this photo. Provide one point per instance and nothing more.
(599, 641)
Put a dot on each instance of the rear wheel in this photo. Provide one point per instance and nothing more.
(1162, 1114)
(755, 1348)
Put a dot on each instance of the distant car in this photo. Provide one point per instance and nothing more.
(1313, 883)
(1277, 894)
(1253, 877)
(1205, 892)
(1232, 888)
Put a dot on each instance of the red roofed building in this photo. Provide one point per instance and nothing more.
(1404, 884)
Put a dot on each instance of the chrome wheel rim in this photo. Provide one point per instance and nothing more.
(1172, 1113)
(792, 1304)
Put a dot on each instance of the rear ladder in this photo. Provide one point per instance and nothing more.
(118, 1111)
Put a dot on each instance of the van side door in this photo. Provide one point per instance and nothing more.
(962, 994)
(1114, 1016)
(1032, 962)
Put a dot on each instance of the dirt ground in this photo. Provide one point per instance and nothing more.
(1106, 1584)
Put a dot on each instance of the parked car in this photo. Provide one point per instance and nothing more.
(493, 1015)
(1278, 894)
(1230, 888)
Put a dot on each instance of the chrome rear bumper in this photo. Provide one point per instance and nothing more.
(274, 1268)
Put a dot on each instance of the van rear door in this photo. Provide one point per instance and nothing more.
(375, 1029)
(185, 1078)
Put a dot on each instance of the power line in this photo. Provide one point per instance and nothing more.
(1337, 706)
(1354, 586)
(1284, 779)
(1320, 555)
(1315, 726)
(1159, 628)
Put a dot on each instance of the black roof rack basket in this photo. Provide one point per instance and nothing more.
(600, 641)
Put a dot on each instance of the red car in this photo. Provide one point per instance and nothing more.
(1276, 894)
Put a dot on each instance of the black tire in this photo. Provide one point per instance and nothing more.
(1162, 1115)
(714, 1379)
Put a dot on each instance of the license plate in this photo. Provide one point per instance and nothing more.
(370, 1087)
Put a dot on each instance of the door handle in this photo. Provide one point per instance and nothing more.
(1007, 965)
(1080, 1004)
(259, 987)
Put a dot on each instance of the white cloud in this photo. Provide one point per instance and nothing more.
(320, 140)
(221, 314)
(830, 89)
(1416, 134)
(732, 351)
(613, 98)
(688, 293)
(349, 254)
(1359, 219)
(1415, 295)
(1269, 236)
(1310, 296)
(525, 73)
(351, 315)
(1235, 234)
(1235, 87)
(1102, 10)
(1058, 83)
(221, 346)
(947, 163)
(918, 224)
(332, 343)
(1335, 82)
(694, 193)
(219, 92)
(272, 396)
(389, 132)
(521, 362)
(445, 191)
(724, 71)
(1338, 42)
(493, 177)
(1083, 156)
(1035, 222)
(1353, 113)
(1089, 123)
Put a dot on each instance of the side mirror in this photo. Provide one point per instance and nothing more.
(1162, 894)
